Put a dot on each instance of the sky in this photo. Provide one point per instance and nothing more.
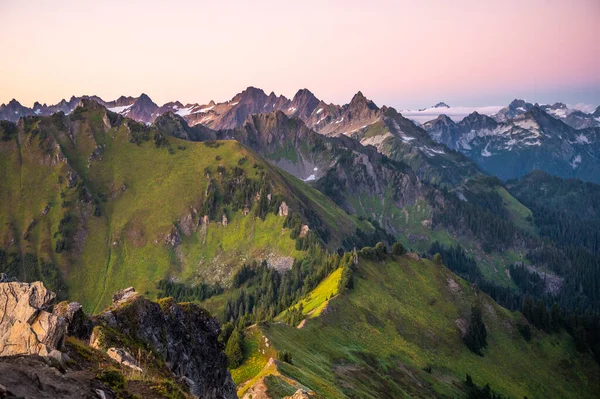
(406, 54)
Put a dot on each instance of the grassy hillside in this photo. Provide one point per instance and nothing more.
(104, 203)
(397, 334)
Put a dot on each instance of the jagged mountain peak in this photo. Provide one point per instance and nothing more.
(476, 122)
(250, 93)
(124, 99)
(177, 104)
(304, 96)
(442, 118)
(519, 103)
(359, 100)
(304, 93)
(515, 108)
(303, 104)
(144, 98)
(558, 105)
(476, 116)
(87, 102)
(358, 97)
(441, 104)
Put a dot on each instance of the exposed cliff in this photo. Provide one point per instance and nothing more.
(184, 335)
(136, 347)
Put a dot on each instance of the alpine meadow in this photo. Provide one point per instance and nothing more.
(258, 246)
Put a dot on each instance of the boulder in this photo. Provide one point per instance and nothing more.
(124, 295)
(283, 209)
(27, 327)
(304, 230)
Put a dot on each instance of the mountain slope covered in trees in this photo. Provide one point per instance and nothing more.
(93, 202)
(398, 328)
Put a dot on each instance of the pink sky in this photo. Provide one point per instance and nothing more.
(402, 53)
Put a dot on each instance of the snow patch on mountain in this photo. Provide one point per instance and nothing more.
(184, 111)
(120, 110)
(582, 139)
(485, 152)
(205, 109)
(431, 152)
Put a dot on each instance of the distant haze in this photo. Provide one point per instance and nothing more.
(407, 54)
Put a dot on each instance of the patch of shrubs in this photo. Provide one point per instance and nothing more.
(212, 144)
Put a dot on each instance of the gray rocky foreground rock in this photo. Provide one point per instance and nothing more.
(184, 335)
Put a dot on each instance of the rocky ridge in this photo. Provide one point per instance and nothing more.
(39, 339)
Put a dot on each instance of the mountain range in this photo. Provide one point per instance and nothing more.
(514, 141)
(522, 138)
(331, 242)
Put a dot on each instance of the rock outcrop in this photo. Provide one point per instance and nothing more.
(299, 394)
(123, 357)
(78, 324)
(33, 377)
(173, 239)
(182, 338)
(26, 326)
(124, 295)
(184, 335)
(283, 209)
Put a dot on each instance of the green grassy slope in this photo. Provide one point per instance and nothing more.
(402, 317)
(127, 190)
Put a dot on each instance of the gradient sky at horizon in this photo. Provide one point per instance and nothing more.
(407, 54)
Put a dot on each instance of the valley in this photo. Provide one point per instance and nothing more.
(330, 242)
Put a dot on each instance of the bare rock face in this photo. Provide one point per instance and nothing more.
(187, 225)
(173, 239)
(184, 335)
(124, 295)
(283, 209)
(32, 377)
(123, 357)
(299, 394)
(78, 324)
(304, 230)
(26, 326)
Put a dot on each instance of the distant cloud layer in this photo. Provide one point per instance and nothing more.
(455, 113)
(458, 113)
(583, 107)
